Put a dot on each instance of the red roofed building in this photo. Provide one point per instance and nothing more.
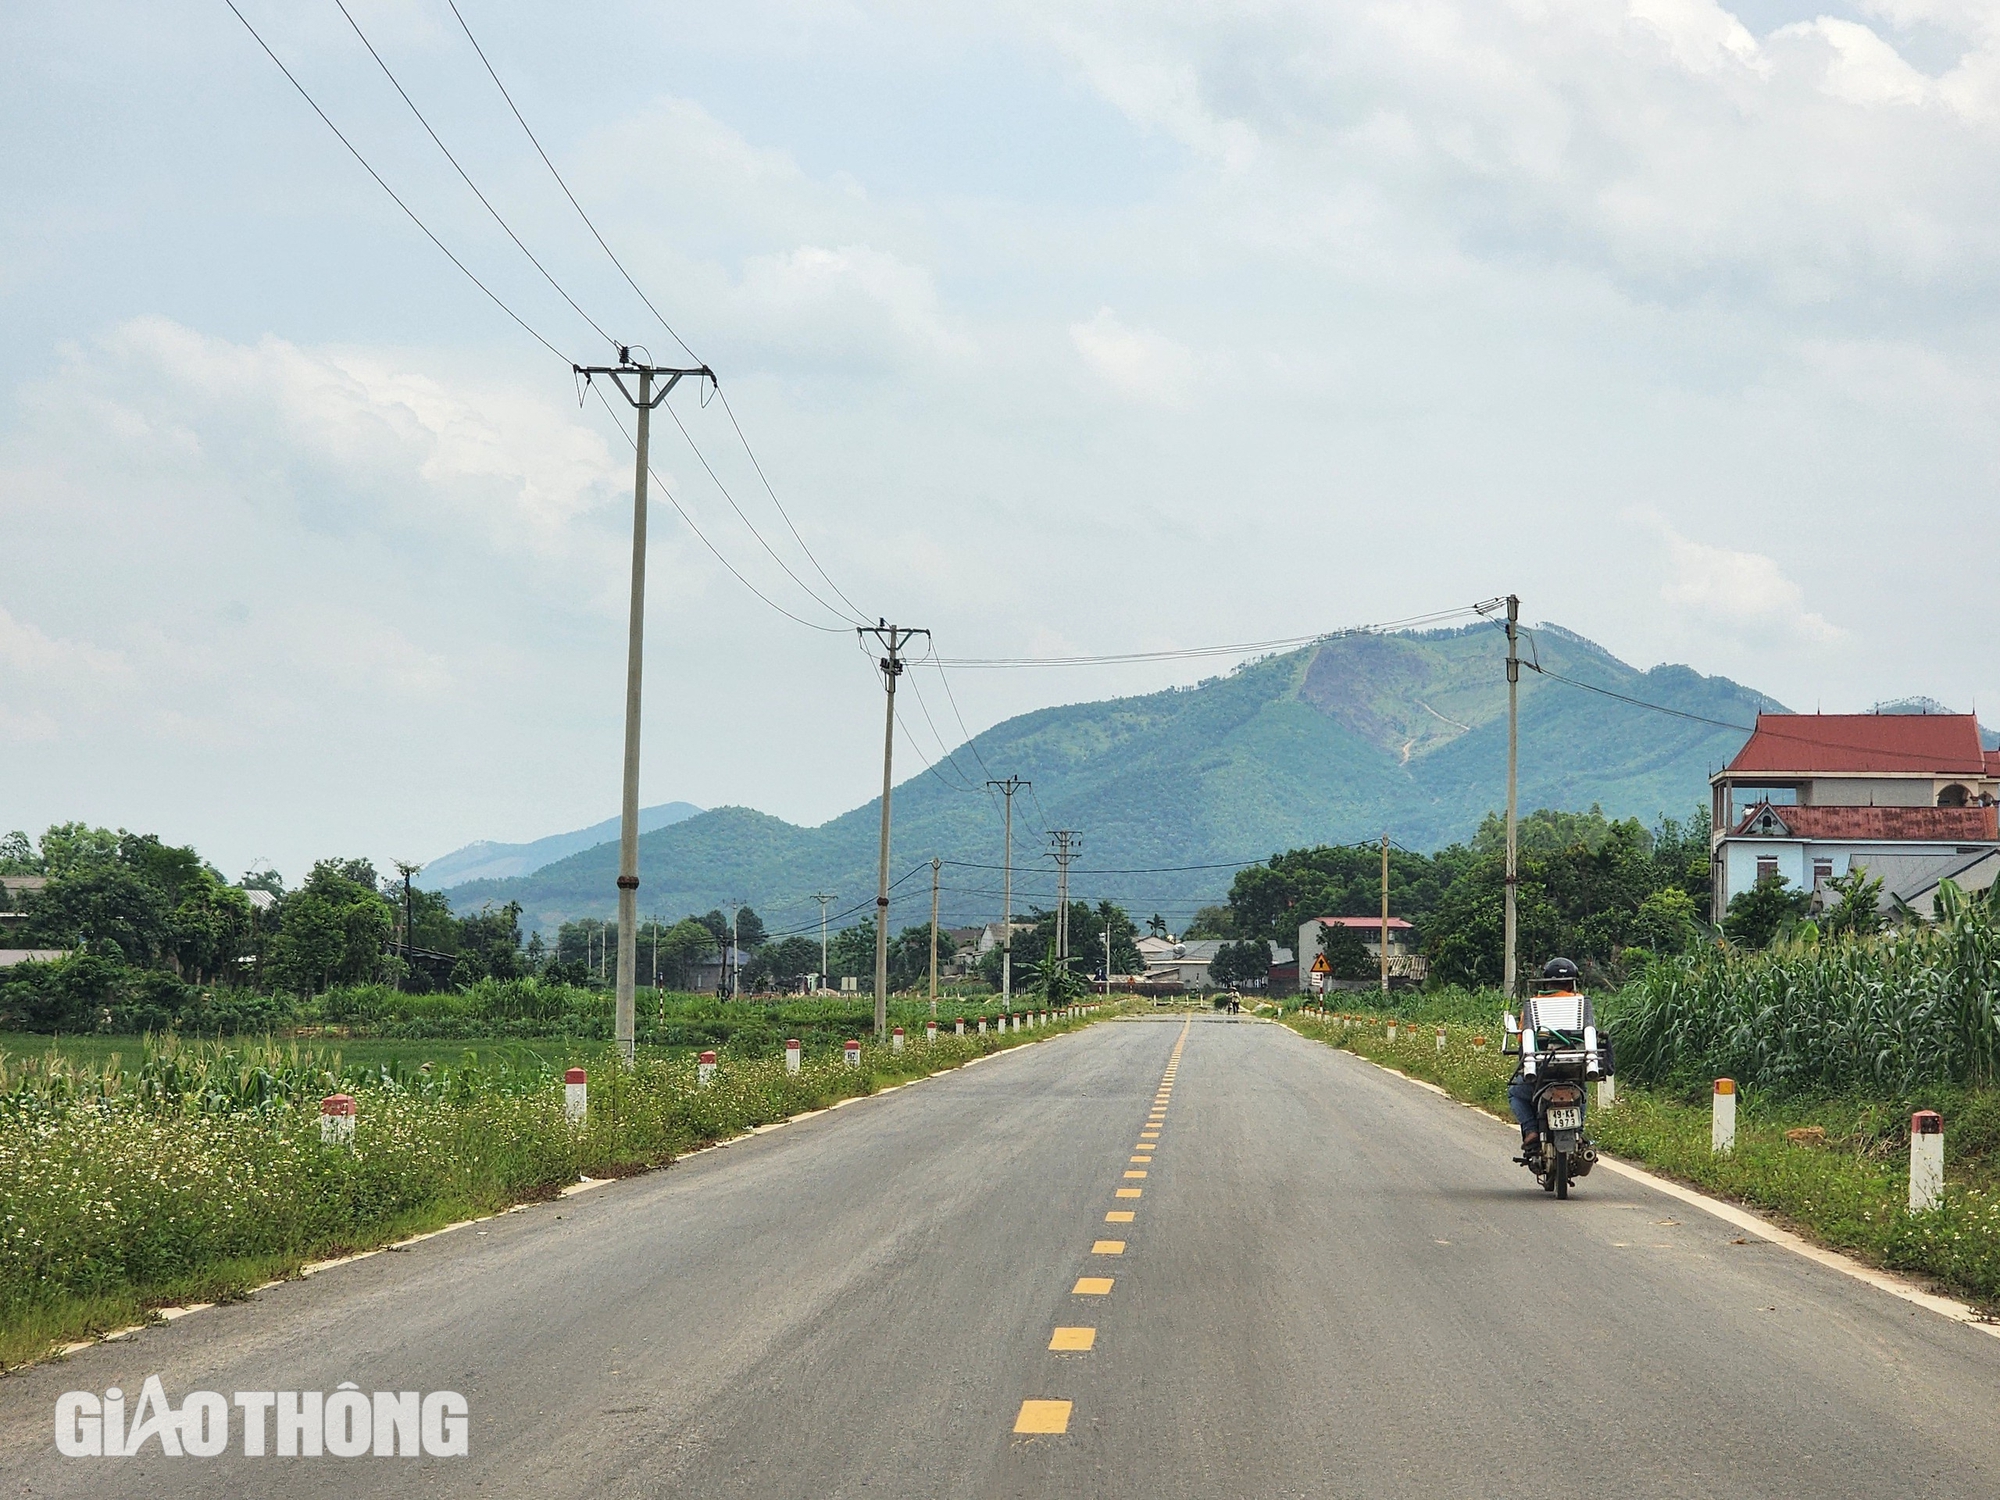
(1812, 796)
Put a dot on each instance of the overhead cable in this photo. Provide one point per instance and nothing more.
(465, 177)
(859, 614)
(353, 151)
(671, 500)
(1185, 653)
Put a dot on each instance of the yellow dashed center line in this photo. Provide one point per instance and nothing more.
(1043, 1417)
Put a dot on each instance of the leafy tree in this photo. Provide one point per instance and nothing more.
(1858, 909)
(1347, 953)
(209, 929)
(1211, 922)
(1156, 925)
(97, 901)
(1244, 963)
(1756, 917)
(18, 856)
(489, 944)
(781, 964)
(683, 948)
(1665, 921)
(1055, 979)
(749, 929)
(332, 929)
(1273, 900)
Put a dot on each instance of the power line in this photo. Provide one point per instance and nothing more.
(1534, 665)
(852, 618)
(957, 769)
(671, 500)
(858, 614)
(564, 185)
(353, 151)
(466, 178)
(1184, 653)
(730, 412)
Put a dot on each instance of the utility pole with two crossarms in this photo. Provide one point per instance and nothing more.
(892, 638)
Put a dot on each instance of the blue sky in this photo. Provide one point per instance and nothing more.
(1057, 327)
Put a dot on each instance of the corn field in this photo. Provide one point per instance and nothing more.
(1885, 1015)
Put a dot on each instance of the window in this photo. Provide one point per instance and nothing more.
(1822, 872)
(1767, 868)
(1953, 796)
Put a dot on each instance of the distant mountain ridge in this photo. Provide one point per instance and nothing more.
(484, 859)
(1329, 744)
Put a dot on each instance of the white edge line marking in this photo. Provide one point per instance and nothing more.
(1742, 1218)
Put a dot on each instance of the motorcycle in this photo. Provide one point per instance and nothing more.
(1561, 1055)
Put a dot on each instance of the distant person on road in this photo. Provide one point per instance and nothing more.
(1558, 982)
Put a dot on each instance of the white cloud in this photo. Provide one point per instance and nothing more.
(1744, 593)
(30, 653)
(844, 305)
(1136, 362)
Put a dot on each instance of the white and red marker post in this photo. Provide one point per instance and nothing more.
(930, 1031)
(704, 1069)
(336, 1120)
(576, 1095)
(896, 1040)
(853, 1053)
(1926, 1161)
(792, 1055)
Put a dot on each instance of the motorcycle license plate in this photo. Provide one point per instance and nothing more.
(1570, 1118)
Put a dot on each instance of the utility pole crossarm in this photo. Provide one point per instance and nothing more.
(647, 398)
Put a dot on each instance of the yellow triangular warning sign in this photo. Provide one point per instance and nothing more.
(1321, 966)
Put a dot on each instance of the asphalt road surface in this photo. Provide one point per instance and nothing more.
(1331, 1283)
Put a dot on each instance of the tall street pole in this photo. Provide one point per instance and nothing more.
(893, 638)
(1066, 841)
(1513, 763)
(822, 899)
(625, 1029)
(1385, 914)
(1007, 789)
(937, 866)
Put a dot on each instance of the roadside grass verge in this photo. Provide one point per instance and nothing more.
(1850, 1192)
(199, 1175)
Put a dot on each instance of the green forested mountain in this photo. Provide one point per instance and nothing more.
(1399, 733)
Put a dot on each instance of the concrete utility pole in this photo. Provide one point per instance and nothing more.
(1066, 841)
(1107, 962)
(823, 900)
(1513, 762)
(733, 959)
(893, 638)
(625, 1028)
(937, 866)
(1385, 914)
(409, 902)
(1007, 789)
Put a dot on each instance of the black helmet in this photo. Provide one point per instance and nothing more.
(1559, 971)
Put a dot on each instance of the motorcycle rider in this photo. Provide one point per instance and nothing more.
(1559, 977)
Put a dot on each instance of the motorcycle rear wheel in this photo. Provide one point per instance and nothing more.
(1560, 1175)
